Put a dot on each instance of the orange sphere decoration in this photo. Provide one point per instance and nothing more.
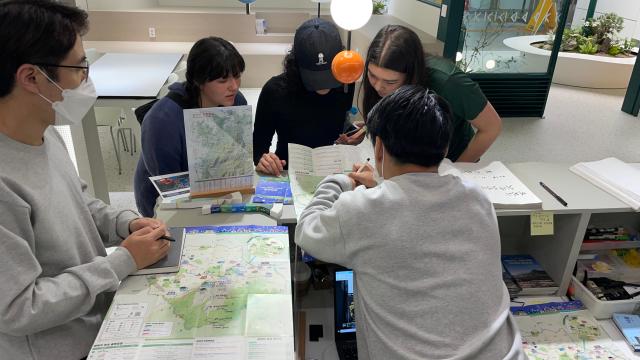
(347, 66)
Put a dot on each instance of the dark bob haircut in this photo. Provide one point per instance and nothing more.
(209, 59)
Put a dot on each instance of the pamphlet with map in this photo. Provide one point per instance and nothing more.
(231, 299)
(561, 334)
(219, 150)
(324, 160)
(307, 167)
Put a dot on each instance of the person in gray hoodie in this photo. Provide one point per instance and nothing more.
(427, 286)
(55, 275)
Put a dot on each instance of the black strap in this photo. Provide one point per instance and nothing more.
(180, 100)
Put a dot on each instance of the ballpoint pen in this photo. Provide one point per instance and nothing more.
(168, 238)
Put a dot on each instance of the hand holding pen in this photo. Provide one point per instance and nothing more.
(363, 175)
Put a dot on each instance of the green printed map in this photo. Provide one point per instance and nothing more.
(219, 142)
(208, 297)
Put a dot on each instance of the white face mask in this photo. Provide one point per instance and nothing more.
(379, 176)
(75, 102)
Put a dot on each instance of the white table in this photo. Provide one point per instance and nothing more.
(121, 80)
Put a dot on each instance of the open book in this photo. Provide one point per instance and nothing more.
(323, 161)
(171, 262)
(500, 185)
(614, 176)
(307, 167)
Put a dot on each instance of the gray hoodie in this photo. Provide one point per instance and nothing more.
(425, 251)
(54, 271)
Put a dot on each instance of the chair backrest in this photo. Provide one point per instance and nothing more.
(109, 116)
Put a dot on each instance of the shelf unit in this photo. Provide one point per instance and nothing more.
(587, 205)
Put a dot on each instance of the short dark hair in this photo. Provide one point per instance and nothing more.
(36, 31)
(209, 59)
(396, 48)
(414, 125)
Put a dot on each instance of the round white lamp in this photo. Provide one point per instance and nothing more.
(351, 14)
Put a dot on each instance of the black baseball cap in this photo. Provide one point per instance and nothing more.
(316, 43)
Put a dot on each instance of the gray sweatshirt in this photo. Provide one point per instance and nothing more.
(54, 271)
(425, 251)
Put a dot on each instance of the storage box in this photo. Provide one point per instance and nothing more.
(603, 309)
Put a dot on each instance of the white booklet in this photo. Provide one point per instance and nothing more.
(614, 176)
(501, 186)
(324, 160)
(307, 167)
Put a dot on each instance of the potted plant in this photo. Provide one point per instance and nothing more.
(379, 7)
(596, 37)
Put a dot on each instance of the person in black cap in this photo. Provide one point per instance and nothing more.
(305, 105)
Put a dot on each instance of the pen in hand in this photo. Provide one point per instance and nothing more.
(362, 166)
(168, 238)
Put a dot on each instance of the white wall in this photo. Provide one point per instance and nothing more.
(116, 4)
(418, 14)
(629, 10)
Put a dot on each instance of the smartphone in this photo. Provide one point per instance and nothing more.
(352, 130)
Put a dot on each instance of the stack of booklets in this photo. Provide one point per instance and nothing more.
(629, 326)
(501, 186)
(613, 176)
(529, 275)
(512, 287)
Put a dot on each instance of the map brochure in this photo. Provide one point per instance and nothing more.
(569, 333)
(172, 186)
(273, 189)
(171, 262)
(307, 167)
(231, 299)
(219, 150)
(324, 160)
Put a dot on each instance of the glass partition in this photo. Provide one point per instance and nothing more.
(497, 35)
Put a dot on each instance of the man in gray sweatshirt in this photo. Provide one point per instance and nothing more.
(424, 248)
(54, 272)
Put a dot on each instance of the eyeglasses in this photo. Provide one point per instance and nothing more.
(84, 65)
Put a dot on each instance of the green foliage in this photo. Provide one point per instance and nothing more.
(378, 7)
(614, 50)
(588, 48)
(597, 35)
(571, 39)
(628, 44)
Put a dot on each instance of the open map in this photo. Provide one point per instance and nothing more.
(566, 336)
(231, 299)
(219, 147)
(303, 186)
